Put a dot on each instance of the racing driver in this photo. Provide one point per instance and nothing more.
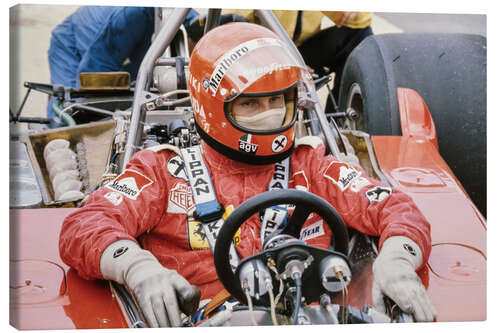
(140, 229)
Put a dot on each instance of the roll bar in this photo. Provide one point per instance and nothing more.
(161, 42)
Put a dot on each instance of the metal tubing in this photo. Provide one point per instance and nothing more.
(170, 61)
(94, 109)
(144, 76)
(66, 118)
(35, 120)
(213, 18)
(270, 21)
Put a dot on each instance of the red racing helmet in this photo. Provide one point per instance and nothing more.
(243, 59)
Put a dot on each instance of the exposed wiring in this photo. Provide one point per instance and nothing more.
(66, 109)
(273, 305)
(343, 306)
(174, 92)
(298, 297)
(346, 300)
(281, 287)
(178, 101)
(372, 243)
(66, 118)
(259, 308)
(345, 296)
(250, 307)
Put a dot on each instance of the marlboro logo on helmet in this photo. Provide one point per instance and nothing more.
(229, 58)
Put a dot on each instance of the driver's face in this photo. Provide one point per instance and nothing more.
(250, 106)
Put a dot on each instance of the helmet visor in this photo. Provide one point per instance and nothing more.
(255, 113)
(248, 62)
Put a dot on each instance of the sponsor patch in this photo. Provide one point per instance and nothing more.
(410, 249)
(180, 200)
(378, 193)
(268, 69)
(245, 144)
(314, 230)
(279, 143)
(273, 218)
(197, 239)
(358, 183)
(175, 167)
(198, 108)
(280, 176)
(114, 198)
(198, 175)
(194, 83)
(130, 183)
(232, 56)
(120, 251)
(300, 181)
(342, 174)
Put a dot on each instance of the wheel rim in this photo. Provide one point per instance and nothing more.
(354, 109)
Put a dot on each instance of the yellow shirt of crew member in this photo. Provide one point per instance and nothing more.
(311, 20)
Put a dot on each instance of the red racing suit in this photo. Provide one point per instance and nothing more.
(151, 202)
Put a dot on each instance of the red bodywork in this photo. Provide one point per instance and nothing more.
(47, 294)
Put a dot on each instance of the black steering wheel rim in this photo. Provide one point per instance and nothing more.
(305, 203)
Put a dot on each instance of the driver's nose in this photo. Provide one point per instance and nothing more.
(264, 104)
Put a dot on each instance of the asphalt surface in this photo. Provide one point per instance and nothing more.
(444, 23)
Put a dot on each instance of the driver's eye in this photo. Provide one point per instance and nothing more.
(276, 101)
(248, 103)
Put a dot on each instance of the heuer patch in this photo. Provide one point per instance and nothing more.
(378, 193)
(114, 198)
(314, 230)
(130, 183)
(180, 200)
(245, 144)
(175, 167)
(341, 174)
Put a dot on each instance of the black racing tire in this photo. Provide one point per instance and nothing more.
(448, 71)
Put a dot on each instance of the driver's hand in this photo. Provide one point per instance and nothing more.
(158, 290)
(394, 275)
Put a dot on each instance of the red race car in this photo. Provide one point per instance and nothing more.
(423, 146)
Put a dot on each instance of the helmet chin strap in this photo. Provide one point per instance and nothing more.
(267, 120)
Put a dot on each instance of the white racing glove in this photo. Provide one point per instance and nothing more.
(158, 290)
(394, 275)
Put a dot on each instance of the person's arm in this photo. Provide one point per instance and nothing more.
(366, 204)
(354, 20)
(160, 292)
(123, 209)
(127, 28)
(99, 240)
(378, 210)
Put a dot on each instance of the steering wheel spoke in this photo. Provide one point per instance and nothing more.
(296, 220)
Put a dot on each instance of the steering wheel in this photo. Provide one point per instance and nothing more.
(305, 204)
